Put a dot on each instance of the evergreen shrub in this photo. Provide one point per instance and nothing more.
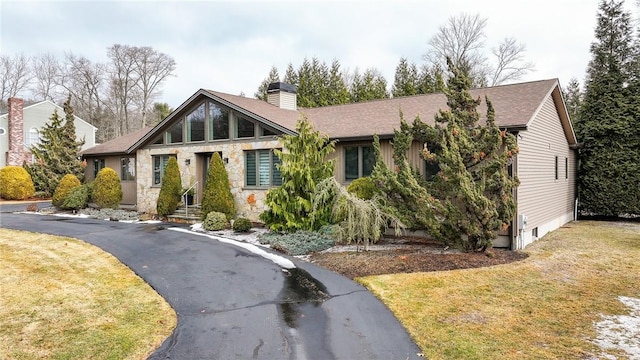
(77, 198)
(363, 187)
(215, 221)
(66, 184)
(107, 192)
(171, 189)
(15, 183)
(217, 192)
(301, 242)
(242, 225)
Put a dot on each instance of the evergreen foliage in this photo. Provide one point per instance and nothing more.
(370, 85)
(358, 220)
(242, 225)
(78, 198)
(298, 243)
(66, 184)
(363, 187)
(58, 152)
(573, 100)
(406, 80)
(303, 166)
(609, 126)
(215, 221)
(107, 192)
(261, 94)
(473, 183)
(217, 192)
(15, 183)
(171, 189)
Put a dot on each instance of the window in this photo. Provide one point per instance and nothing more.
(261, 168)
(159, 140)
(566, 168)
(244, 128)
(174, 135)
(195, 124)
(266, 132)
(534, 232)
(218, 122)
(159, 164)
(431, 169)
(98, 164)
(359, 162)
(34, 137)
(556, 168)
(128, 169)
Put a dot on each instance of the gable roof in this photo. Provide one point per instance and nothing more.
(516, 106)
(118, 145)
(53, 105)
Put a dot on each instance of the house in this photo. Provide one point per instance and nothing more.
(245, 132)
(20, 129)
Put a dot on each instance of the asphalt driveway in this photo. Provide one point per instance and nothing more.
(233, 304)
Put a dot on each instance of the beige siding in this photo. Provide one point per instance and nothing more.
(129, 188)
(548, 203)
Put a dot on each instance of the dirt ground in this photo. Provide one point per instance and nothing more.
(407, 255)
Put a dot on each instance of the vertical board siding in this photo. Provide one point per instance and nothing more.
(540, 196)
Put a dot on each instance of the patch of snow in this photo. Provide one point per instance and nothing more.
(621, 332)
(278, 260)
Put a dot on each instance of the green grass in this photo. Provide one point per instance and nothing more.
(543, 307)
(64, 299)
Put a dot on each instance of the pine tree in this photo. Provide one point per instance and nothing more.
(608, 128)
(273, 76)
(303, 165)
(473, 183)
(217, 192)
(338, 93)
(291, 76)
(58, 152)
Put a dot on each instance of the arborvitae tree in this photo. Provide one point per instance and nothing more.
(407, 81)
(473, 183)
(371, 85)
(303, 165)
(608, 128)
(217, 192)
(171, 189)
(58, 152)
(264, 85)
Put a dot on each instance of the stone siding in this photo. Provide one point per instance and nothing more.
(249, 201)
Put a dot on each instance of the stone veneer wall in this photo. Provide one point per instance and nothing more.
(249, 201)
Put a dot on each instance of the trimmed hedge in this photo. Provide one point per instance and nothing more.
(107, 192)
(217, 192)
(242, 225)
(15, 183)
(215, 221)
(66, 184)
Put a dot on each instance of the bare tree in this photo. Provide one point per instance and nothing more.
(46, 71)
(152, 68)
(14, 75)
(123, 84)
(462, 40)
(510, 62)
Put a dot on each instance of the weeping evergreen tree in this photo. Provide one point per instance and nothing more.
(303, 165)
(472, 183)
(58, 152)
(608, 130)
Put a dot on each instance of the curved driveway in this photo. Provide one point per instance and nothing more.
(232, 304)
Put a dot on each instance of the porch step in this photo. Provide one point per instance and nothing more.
(193, 214)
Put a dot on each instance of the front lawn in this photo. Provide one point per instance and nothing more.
(62, 298)
(545, 307)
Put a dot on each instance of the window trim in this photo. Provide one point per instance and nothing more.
(273, 161)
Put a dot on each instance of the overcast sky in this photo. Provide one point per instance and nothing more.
(231, 46)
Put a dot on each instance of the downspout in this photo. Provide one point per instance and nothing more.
(514, 234)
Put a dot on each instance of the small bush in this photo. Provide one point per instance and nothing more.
(66, 184)
(242, 225)
(111, 214)
(363, 187)
(77, 199)
(299, 243)
(15, 183)
(215, 221)
(107, 192)
(217, 192)
(170, 191)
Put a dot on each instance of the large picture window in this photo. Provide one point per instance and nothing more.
(359, 162)
(128, 169)
(261, 168)
(195, 124)
(174, 135)
(218, 122)
(159, 164)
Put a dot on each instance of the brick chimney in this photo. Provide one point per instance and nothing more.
(282, 95)
(16, 154)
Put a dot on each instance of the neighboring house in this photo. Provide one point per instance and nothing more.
(20, 129)
(245, 132)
